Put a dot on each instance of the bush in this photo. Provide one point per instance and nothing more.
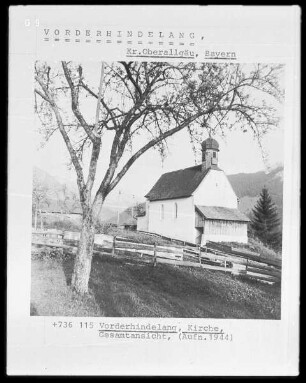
(46, 252)
(256, 246)
(264, 250)
(105, 228)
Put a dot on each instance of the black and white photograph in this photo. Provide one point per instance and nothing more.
(157, 190)
(153, 191)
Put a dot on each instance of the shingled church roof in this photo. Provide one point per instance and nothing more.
(178, 184)
(221, 213)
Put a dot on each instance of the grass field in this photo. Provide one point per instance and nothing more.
(123, 287)
(138, 237)
(50, 294)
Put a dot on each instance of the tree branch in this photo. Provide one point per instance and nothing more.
(41, 95)
(48, 97)
(149, 145)
(75, 104)
(97, 144)
(130, 77)
(109, 111)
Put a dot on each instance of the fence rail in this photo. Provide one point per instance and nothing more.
(213, 256)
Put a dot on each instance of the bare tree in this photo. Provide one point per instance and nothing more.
(67, 200)
(139, 210)
(40, 197)
(140, 105)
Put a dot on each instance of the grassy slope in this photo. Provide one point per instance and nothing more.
(137, 236)
(50, 295)
(127, 288)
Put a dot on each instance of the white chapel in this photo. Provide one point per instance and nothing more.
(195, 204)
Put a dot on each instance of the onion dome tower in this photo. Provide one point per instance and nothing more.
(210, 149)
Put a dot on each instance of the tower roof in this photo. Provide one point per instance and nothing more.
(210, 143)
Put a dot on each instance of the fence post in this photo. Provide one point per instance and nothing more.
(154, 257)
(200, 254)
(114, 246)
(246, 268)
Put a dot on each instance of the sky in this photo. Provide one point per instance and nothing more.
(239, 153)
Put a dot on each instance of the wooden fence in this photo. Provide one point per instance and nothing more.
(212, 256)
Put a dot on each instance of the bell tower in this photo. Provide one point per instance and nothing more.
(210, 149)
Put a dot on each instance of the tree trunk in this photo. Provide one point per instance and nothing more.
(41, 220)
(82, 265)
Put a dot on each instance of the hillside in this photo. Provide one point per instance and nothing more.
(248, 186)
(62, 196)
(127, 216)
(121, 287)
(46, 180)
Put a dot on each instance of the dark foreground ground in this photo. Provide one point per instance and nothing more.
(128, 288)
